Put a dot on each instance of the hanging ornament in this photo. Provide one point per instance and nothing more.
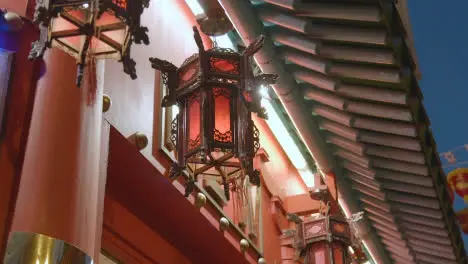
(324, 238)
(214, 133)
(450, 157)
(458, 182)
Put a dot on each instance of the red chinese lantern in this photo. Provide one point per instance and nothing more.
(213, 133)
(458, 182)
(323, 238)
(91, 29)
(462, 217)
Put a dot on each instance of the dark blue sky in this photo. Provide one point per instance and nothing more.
(441, 38)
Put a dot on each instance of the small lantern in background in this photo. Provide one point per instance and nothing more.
(216, 92)
(88, 29)
(458, 182)
(323, 238)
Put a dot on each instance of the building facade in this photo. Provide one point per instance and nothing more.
(84, 171)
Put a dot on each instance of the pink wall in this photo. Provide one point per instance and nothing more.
(271, 235)
(280, 175)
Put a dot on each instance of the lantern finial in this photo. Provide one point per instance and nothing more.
(198, 39)
(255, 46)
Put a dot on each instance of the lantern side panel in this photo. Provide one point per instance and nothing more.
(188, 72)
(194, 121)
(222, 114)
(317, 253)
(338, 253)
(243, 128)
(224, 65)
(71, 42)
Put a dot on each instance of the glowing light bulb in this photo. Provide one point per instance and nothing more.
(85, 5)
(263, 91)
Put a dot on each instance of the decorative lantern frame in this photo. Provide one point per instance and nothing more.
(216, 92)
(324, 237)
(91, 29)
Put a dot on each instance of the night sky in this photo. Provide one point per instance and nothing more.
(441, 39)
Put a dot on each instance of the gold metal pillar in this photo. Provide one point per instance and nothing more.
(26, 248)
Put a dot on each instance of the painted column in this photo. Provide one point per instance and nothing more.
(58, 213)
(18, 81)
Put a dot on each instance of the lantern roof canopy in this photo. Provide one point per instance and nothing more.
(353, 64)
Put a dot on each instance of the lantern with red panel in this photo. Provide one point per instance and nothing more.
(91, 29)
(216, 92)
(324, 239)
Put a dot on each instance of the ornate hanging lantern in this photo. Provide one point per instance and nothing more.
(458, 182)
(326, 239)
(323, 238)
(91, 29)
(216, 92)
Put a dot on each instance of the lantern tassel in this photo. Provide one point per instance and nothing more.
(79, 74)
(91, 75)
(92, 81)
(226, 188)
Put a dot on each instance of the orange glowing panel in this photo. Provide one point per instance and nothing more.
(338, 254)
(188, 74)
(222, 113)
(224, 65)
(194, 119)
(121, 3)
(339, 228)
(317, 254)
